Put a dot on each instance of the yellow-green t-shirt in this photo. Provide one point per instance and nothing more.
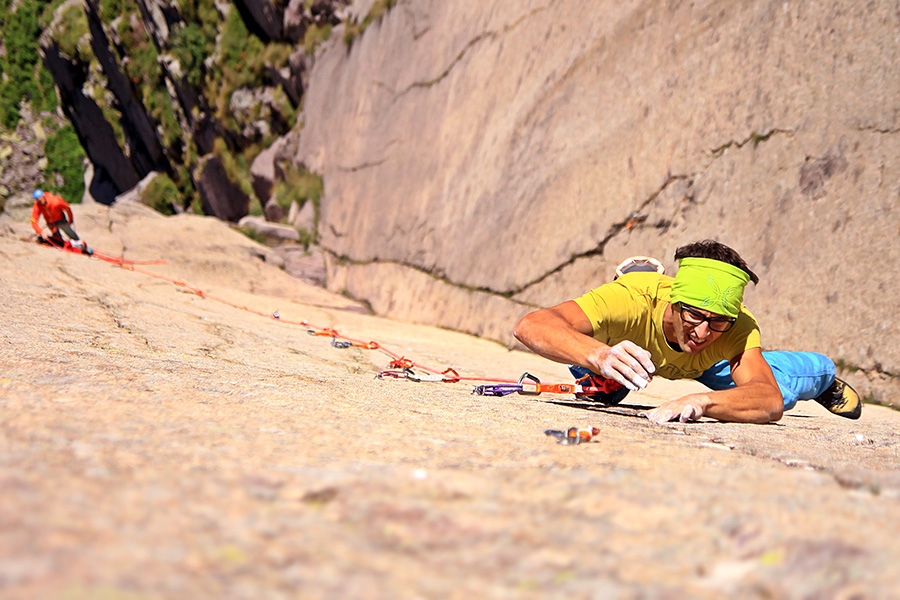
(632, 307)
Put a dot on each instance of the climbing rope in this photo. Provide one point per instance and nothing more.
(399, 366)
(67, 246)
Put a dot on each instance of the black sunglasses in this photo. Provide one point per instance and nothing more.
(694, 317)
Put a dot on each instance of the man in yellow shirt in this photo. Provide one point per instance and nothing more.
(692, 326)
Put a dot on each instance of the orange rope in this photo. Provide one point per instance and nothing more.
(398, 361)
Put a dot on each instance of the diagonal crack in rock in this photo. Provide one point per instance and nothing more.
(486, 35)
(616, 229)
(754, 138)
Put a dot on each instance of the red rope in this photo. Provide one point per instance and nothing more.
(398, 361)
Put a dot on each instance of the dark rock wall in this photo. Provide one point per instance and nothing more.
(145, 150)
(221, 197)
(205, 115)
(114, 171)
(265, 19)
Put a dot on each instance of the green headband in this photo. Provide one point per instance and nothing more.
(711, 285)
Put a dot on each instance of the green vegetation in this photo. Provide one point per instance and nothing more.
(241, 53)
(217, 55)
(236, 168)
(299, 186)
(72, 34)
(110, 10)
(141, 64)
(307, 238)
(843, 365)
(21, 76)
(159, 105)
(256, 209)
(191, 45)
(142, 68)
(314, 36)
(65, 157)
(253, 235)
(161, 194)
(48, 89)
(196, 42)
(378, 10)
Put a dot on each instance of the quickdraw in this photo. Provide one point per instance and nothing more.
(395, 373)
(325, 332)
(573, 435)
(448, 376)
(528, 385)
(401, 363)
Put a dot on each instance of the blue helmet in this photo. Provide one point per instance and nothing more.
(37, 194)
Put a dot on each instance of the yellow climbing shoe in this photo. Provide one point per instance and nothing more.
(841, 399)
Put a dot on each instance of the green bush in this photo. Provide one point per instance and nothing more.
(21, 60)
(241, 53)
(256, 209)
(191, 46)
(161, 194)
(71, 33)
(307, 238)
(159, 105)
(236, 168)
(112, 9)
(300, 186)
(253, 235)
(379, 8)
(314, 36)
(48, 101)
(143, 63)
(65, 156)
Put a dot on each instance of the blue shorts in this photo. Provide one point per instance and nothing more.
(800, 375)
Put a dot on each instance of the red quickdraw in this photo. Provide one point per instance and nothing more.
(597, 384)
(529, 385)
(401, 363)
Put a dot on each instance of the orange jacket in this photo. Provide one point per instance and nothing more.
(56, 209)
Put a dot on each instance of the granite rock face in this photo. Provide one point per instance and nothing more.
(173, 431)
(518, 151)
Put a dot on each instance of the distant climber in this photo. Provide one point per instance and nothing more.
(58, 217)
(692, 326)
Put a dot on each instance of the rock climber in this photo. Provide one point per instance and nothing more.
(692, 326)
(58, 217)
